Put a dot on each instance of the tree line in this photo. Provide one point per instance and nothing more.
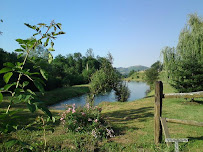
(72, 69)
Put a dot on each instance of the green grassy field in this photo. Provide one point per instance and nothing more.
(132, 121)
(137, 76)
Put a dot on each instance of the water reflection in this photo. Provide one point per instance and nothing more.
(137, 89)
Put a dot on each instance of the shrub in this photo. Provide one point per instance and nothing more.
(122, 92)
(86, 119)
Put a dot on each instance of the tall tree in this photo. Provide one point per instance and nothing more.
(183, 64)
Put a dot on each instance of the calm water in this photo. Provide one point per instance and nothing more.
(137, 89)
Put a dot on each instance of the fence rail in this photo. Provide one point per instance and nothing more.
(160, 123)
(184, 95)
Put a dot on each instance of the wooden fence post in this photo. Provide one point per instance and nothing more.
(158, 112)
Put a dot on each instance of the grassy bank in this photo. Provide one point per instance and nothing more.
(132, 121)
(137, 76)
(60, 94)
(136, 124)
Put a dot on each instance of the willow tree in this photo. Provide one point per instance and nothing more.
(184, 64)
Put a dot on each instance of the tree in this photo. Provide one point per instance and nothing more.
(188, 77)
(122, 92)
(106, 79)
(183, 64)
(157, 65)
(151, 75)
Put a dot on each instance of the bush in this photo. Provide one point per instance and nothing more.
(122, 92)
(151, 75)
(86, 119)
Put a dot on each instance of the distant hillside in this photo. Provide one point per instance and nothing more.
(127, 70)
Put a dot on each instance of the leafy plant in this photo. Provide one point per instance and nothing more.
(183, 64)
(106, 79)
(86, 119)
(18, 89)
(151, 75)
(122, 92)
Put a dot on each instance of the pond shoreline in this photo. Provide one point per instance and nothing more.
(137, 89)
(60, 94)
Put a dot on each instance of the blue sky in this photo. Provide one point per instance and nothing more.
(134, 31)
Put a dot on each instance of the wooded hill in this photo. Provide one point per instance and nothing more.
(126, 71)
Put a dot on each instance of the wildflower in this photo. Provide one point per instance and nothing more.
(73, 111)
(94, 133)
(83, 113)
(110, 132)
(88, 105)
(96, 120)
(89, 119)
(61, 118)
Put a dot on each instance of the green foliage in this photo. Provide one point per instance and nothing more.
(183, 65)
(151, 75)
(7, 122)
(189, 76)
(106, 79)
(157, 65)
(19, 92)
(122, 92)
(86, 119)
(126, 71)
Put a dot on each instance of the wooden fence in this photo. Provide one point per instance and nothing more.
(160, 125)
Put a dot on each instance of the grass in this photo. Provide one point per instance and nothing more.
(137, 76)
(60, 94)
(136, 124)
(133, 123)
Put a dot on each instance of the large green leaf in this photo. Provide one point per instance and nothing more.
(18, 91)
(1, 97)
(43, 24)
(30, 26)
(39, 86)
(20, 55)
(50, 59)
(4, 70)
(35, 34)
(6, 87)
(27, 98)
(16, 100)
(19, 50)
(58, 25)
(25, 83)
(30, 91)
(52, 44)
(9, 64)
(7, 76)
(51, 49)
(43, 73)
(46, 42)
(20, 41)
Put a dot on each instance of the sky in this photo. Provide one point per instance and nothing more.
(133, 31)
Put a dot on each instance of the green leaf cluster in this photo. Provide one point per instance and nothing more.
(183, 64)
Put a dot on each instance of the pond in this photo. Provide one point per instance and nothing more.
(138, 90)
